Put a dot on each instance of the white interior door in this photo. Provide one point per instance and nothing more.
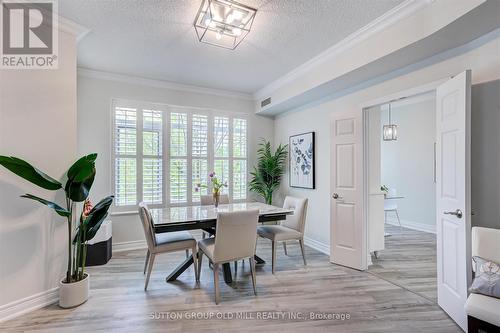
(348, 235)
(453, 195)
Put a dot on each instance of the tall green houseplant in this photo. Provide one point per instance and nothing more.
(266, 176)
(80, 177)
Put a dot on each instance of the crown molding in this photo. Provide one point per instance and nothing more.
(391, 17)
(103, 75)
(72, 28)
(63, 24)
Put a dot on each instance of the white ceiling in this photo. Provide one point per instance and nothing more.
(156, 39)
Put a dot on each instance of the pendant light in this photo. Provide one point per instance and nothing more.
(390, 131)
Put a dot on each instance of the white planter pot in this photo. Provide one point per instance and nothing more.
(74, 294)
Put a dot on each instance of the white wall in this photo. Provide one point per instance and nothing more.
(485, 65)
(37, 123)
(407, 164)
(94, 130)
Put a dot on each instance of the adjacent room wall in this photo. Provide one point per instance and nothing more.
(94, 132)
(485, 65)
(407, 164)
(485, 147)
(38, 124)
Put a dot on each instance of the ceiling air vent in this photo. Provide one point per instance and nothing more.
(265, 102)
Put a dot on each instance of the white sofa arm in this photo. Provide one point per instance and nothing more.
(486, 243)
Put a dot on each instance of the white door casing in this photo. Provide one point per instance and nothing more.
(453, 223)
(348, 233)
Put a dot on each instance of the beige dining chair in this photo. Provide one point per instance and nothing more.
(209, 200)
(164, 242)
(234, 240)
(290, 229)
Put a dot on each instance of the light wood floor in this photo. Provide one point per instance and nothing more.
(409, 260)
(119, 303)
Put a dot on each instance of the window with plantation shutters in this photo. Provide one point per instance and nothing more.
(152, 151)
(199, 154)
(221, 149)
(239, 158)
(161, 153)
(125, 156)
(178, 157)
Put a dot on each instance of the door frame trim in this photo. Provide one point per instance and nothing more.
(418, 90)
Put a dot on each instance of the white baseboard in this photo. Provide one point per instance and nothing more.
(136, 245)
(127, 246)
(318, 246)
(28, 304)
(413, 225)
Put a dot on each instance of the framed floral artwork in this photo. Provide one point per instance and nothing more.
(302, 160)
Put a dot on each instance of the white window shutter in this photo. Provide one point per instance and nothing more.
(196, 143)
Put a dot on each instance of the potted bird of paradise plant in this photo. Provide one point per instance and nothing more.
(74, 287)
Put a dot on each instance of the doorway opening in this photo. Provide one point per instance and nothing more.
(401, 174)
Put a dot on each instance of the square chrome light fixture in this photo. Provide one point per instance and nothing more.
(390, 131)
(223, 23)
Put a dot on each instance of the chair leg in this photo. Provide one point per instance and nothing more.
(195, 263)
(216, 282)
(235, 267)
(273, 246)
(150, 268)
(284, 247)
(252, 270)
(187, 254)
(200, 257)
(399, 221)
(203, 235)
(301, 242)
(146, 263)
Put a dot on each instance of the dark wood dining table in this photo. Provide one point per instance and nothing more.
(178, 218)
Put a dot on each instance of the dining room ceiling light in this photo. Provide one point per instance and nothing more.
(223, 23)
(390, 131)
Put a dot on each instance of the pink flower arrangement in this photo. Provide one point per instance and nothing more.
(217, 185)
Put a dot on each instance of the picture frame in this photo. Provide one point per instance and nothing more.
(302, 160)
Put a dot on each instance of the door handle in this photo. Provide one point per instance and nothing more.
(336, 196)
(458, 213)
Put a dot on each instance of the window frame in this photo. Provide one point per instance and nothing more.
(167, 110)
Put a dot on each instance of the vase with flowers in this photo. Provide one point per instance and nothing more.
(217, 186)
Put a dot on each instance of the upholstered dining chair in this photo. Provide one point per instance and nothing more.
(164, 242)
(290, 229)
(234, 240)
(209, 200)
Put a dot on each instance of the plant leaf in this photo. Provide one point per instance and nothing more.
(80, 178)
(266, 176)
(81, 166)
(59, 210)
(30, 173)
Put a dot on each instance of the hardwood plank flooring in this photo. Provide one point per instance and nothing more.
(118, 301)
(409, 260)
